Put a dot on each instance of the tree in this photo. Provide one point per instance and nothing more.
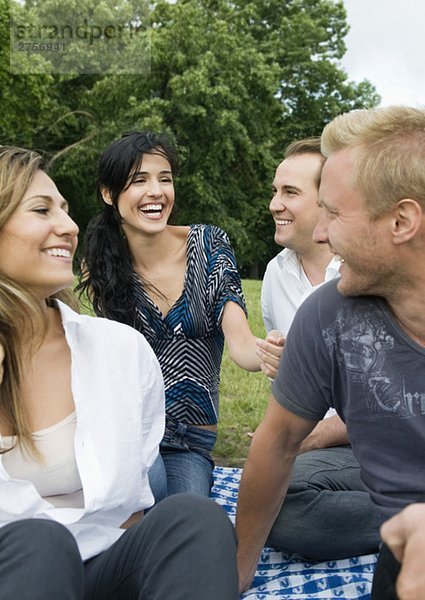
(27, 101)
(233, 81)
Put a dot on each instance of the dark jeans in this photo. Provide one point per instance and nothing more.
(327, 513)
(183, 549)
(386, 572)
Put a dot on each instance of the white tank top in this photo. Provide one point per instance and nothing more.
(56, 478)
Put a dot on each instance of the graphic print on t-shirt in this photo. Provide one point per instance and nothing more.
(372, 357)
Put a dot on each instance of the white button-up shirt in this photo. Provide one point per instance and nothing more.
(285, 287)
(118, 393)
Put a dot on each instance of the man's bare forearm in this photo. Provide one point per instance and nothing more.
(264, 483)
(263, 488)
(327, 433)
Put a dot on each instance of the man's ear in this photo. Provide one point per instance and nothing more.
(407, 218)
(106, 195)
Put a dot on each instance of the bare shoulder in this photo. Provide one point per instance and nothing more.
(178, 232)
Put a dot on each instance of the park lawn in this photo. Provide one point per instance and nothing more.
(243, 395)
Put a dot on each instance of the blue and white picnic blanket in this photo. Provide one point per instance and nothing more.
(290, 577)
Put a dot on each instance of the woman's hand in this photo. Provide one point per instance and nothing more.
(270, 352)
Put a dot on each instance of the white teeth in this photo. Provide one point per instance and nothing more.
(283, 221)
(151, 207)
(59, 252)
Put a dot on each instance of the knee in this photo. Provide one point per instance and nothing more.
(202, 516)
(205, 509)
(39, 559)
(39, 537)
(194, 507)
(184, 505)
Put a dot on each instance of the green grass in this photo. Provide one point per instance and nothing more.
(243, 395)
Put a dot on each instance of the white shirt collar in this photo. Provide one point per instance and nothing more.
(288, 260)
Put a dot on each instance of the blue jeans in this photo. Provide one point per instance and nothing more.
(327, 513)
(185, 463)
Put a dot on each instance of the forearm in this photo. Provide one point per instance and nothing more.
(260, 499)
(246, 350)
(264, 483)
(246, 354)
(327, 433)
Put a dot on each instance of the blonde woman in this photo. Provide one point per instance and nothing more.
(81, 418)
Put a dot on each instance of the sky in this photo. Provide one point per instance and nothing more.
(386, 46)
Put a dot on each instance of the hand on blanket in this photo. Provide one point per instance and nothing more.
(246, 574)
(270, 352)
(405, 536)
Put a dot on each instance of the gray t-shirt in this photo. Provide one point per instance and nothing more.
(350, 353)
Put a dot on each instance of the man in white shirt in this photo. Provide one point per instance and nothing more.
(303, 265)
(326, 476)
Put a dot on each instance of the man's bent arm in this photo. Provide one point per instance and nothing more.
(265, 481)
(328, 432)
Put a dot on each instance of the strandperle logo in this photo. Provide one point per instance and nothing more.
(82, 31)
(114, 38)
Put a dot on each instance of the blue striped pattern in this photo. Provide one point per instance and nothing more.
(189, 341)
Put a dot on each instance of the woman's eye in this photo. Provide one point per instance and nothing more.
(41, 210)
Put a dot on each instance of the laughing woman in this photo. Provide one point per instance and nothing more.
(81, 417)
(180, 287)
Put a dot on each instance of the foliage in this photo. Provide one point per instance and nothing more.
(27, 101)
(233, 81)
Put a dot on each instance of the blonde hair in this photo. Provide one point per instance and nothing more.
(21, 316)
(389, 157)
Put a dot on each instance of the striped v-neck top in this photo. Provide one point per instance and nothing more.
(189, 341)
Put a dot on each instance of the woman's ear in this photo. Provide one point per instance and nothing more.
(106, 195)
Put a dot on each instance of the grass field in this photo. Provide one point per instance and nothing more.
(243, 395)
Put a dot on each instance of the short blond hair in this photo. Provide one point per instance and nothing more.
(389, 160)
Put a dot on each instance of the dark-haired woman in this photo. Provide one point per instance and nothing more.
(179, 285)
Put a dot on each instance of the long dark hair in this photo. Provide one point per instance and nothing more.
(106, 270)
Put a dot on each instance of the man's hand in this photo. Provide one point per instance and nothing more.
(246, 574)
(404, 534)
(270, 352)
